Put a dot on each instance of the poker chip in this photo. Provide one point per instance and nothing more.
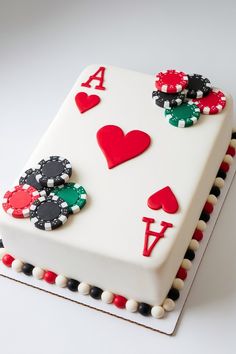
(211, 104)
(29, 177)
(183, 116)
(168, 100)
(54, 171)
(48, 213)
(18, 200)
(73, 194)
(171, 81)
(198, 86)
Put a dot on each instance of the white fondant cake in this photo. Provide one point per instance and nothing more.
(103, 244)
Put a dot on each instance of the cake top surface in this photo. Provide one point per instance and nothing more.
(166, 157)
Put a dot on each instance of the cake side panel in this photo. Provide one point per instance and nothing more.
(167, 271)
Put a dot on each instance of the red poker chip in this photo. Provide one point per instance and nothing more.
(17, 201)
(171, 81)
(213, 103)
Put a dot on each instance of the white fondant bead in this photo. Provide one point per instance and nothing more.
(212, 199)
(186, 264)
(194, 245)
(61, 281)
(157, 312)
(131, 305)
(228, 159)
(84, 288)
(2, 252)
(168, 304)
(17, 265)
(201, 225)
(219, 182)
(178, 284)
(107, 297)
(38, 273)
(233, 143)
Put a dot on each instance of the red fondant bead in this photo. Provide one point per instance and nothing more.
(182, 273)
(231, 151)
(119, 301)
(49, 277)
(198, 235)
(224, 167)
(208, 208)
(7, 259)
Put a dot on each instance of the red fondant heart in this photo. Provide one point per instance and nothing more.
(85, 102)
(164, 199)
(118, 147)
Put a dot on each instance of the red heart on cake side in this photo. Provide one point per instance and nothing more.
(85, 102)
(164, 199)
(119, 147)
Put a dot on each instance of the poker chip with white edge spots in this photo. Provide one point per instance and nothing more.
(49, 213)
(171, 81)
(213, 103)
(168, 100)
(198, 86)
(28, 177)
(184, 115)
(17, 201)
(53, 171)
(74, 194)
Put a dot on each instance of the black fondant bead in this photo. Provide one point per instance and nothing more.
(1, 243)
(73, 284)
(27, 269)
(173, 294)
(221, 174)
(144, 309)
(234, 135)
(204, 216)
(190, 254)
(215, 190)
(95, 292)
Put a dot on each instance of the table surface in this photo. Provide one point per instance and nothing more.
(44, 46)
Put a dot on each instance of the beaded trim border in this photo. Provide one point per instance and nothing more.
(157, 311)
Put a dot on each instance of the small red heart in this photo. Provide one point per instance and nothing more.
(85, 102)
(164, 199)
(118, 147)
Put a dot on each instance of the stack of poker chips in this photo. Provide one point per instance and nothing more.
(184, 97)
(44, 194)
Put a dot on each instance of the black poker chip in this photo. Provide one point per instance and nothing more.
(54, 171)
(198, 86)
(168, 100)
(29, 177)
(48, 213)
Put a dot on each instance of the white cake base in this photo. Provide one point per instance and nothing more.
(165, 325)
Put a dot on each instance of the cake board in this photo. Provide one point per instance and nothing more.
(166, 325)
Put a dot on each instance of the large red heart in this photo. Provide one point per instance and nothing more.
(118, 147)
(85, 102)
(164, 199)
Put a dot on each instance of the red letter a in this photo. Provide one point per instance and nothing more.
(99, 76)
(147, 249)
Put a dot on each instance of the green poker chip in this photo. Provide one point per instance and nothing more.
(73, 194)
(184, 115)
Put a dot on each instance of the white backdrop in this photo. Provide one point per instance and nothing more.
(43, 47)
